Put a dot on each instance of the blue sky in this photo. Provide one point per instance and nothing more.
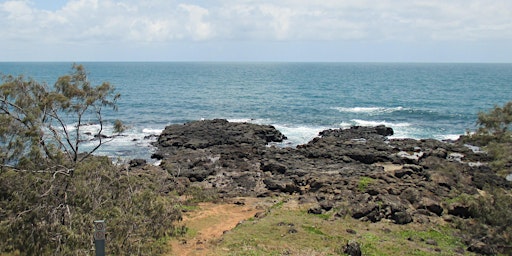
(257, 30)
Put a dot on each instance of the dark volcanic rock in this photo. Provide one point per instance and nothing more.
(344, 169)
(460, 210)
(137, 162)
(402, 217)
(352, 249)
(208, 133)
(359, 132)
(482, 248)
(356, 172)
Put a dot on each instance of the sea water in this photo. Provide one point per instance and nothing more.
(418, 100)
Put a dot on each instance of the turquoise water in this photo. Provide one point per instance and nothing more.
(417, 100)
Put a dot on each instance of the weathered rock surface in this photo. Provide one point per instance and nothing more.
(357, 171)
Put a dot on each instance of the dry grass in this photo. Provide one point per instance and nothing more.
(289, 230)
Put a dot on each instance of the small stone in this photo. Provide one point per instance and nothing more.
(431, 242)
(292, 231)
(352, 249)
(260, 215)
(351, 231)
(315, 210)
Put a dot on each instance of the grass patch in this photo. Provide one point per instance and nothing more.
(313, 230)
(295, 232)
(364, 182)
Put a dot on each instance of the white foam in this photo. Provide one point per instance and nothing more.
(448, 137)
(152, 131)
(346, 125)
(368, 110)
(361, 122)
(241, 120)
(299, 134)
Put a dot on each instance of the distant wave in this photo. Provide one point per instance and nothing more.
(152, 131)
(369, 110)
(360, 122)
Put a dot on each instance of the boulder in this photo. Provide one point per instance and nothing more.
(352, 249)
(137, 163)
(431, 205)
(460, 210)
(402, 217)
(481, 248)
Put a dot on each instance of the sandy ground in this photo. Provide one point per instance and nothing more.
(208, 223)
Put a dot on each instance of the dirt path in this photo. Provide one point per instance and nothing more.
(207, 224)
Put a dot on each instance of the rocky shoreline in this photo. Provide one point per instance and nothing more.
(357, 172)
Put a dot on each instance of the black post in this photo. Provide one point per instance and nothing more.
(99, 237)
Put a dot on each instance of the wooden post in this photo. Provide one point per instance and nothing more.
(99, 237)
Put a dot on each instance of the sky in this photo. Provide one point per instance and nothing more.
(257, 30)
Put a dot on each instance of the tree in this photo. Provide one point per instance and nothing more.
(494, 134)
(52, 188)
(41, 127)
(496, 122)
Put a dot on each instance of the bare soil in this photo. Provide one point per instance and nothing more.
(210, 221)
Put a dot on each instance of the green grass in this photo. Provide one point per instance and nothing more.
(313, 230)
(295, 232)
(364, 182)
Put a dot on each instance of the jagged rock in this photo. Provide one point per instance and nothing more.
(274, 168)
(431, 206)
(413, 158)
(315, 210)
(403, 172)
(236, 160)
(352, 249)
(456, 157)
(326, 205)
(137, 162)
(460, 210)
(207, 133)
(358, 132)
(482, 248)
(284, 185)
(410, 194)
(402, 217)
(413, 167)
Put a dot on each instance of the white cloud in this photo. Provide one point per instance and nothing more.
(196, 26)
(161, 21)
(262, 20)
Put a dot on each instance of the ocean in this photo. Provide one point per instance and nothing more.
(418, 100)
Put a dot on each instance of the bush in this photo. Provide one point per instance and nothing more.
(45, 213)
(496, 122)
(494, 225)
(494, 134)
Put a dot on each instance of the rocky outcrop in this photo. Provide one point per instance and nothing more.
(357, 172)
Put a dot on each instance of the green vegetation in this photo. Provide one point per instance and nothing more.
(494, 134)
(36, 131)
(51, 189)
(291, 231)
(364, 182)
(52, 213)
(494, 219)
(496, 123)
(493, 209)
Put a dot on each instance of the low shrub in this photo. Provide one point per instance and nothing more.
(52, 212)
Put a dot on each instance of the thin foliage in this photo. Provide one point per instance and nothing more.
(35, 119)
